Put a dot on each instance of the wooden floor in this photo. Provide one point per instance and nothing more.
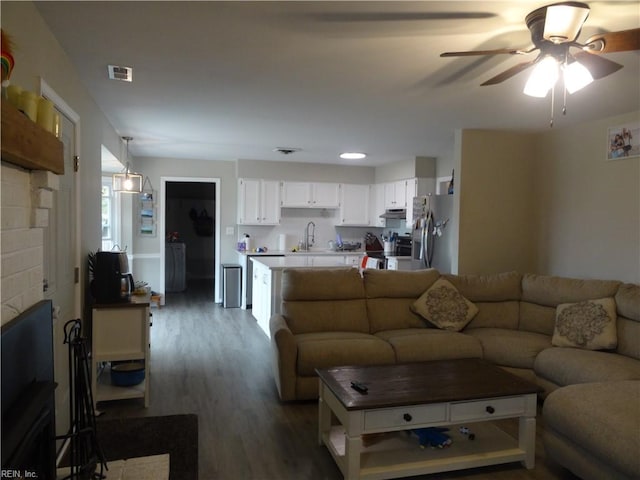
(216, 363)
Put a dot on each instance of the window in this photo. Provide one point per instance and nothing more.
(109, 215)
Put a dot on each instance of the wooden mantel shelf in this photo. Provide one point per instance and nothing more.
(27, 144)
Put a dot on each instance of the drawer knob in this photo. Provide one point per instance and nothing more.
(490, 409)
(407, 417)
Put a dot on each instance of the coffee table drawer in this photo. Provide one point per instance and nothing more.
(407, 417)
(489, 408)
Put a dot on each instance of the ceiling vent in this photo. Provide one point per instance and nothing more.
(286, 150)
(124, 74)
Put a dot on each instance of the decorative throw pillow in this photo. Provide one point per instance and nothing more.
(445, 307)
(590, 325)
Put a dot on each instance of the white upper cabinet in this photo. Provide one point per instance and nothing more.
(377, 206)
(310, 195)
(395, 194)
(258, 202)
(354, 204)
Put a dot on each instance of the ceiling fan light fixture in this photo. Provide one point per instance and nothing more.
(542, 79)
(563, 21)
(576, 76)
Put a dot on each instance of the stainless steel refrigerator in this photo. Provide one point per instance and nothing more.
(432, 245)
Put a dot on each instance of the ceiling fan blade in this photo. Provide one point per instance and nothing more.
(598, 66)
(400, 16)
(499, 51)
(622, 41)
(508, 73)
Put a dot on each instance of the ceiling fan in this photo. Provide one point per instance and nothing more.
(554, 32)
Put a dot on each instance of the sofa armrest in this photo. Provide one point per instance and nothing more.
(284, 352)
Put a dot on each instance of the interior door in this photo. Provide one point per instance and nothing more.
(60, 263)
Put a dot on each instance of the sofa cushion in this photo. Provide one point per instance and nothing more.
(566, 366)
(541, 294)
(497, 287)
(602, 418)
(398, 283)
(552, 291)
(321, 284)
(390, 294)
(504, 314)
(443, 306)
(510, 348)
(537, 318)
(332, 349)
(628, 301)
(424, 344)
(628, 305)
(590, 324)
(318, 300)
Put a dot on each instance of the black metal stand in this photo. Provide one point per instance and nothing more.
(86, 453)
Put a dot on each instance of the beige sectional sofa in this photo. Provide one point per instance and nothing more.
(344, 317)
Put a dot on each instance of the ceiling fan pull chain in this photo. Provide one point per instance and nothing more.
(564, 102)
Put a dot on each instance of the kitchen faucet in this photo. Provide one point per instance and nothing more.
(309, 239)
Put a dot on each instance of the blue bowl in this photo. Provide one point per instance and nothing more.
(127, 374)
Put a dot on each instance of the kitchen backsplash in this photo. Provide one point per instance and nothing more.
(293, 224)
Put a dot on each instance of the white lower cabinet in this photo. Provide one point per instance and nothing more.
(265, 290)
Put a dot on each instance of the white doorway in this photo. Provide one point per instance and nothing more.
(165, 184)
(61, 253)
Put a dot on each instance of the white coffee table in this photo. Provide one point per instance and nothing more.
(450, 393)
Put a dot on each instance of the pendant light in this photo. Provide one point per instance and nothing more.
(127, 181)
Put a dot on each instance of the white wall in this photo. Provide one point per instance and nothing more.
(495, 190)
(588, 209)
(548, 203)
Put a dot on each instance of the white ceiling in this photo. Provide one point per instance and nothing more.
(235, 80)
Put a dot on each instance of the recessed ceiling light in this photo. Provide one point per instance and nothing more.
(352, 155)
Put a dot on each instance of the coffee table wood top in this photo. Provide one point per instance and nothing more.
(424, 382)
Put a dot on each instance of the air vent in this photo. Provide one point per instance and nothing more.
(124, 74)
(286, 150)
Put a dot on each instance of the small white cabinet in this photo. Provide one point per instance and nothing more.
(258, 202)
(310, 195)
(120, 332)
(395, 194)
(354, 204)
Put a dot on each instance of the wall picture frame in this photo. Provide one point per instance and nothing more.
(146, 214)
(623, 141)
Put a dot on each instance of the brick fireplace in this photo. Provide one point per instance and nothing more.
(26, 197)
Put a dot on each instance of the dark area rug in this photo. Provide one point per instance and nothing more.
(176, 435)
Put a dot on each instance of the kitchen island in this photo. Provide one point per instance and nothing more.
(244, 259)
(267, 279)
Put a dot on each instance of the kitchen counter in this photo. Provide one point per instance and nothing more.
(288, 253)
(301, 261)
